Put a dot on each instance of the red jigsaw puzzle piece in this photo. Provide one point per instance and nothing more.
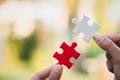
(68, 52)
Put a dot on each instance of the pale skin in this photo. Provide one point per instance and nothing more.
(110, 43)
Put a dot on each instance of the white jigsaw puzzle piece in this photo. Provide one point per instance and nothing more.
(83, 27)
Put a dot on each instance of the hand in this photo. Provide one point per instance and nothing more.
(52, 73)
(111, 44)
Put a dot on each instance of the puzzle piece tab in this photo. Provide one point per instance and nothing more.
(68, 52)
(83, 27)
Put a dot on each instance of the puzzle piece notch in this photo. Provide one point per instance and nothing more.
(67, 54)
(83, 27)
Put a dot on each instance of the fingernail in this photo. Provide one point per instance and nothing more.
(99, 38)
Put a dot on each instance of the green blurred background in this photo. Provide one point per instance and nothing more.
(32, 30)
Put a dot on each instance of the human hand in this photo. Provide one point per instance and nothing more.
(52, 73)
(111, 44)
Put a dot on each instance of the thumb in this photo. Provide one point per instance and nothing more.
(107, 44)
(56, 73)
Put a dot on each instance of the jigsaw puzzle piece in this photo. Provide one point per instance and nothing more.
(68, 52)
(85, 28)
(80, 25)
(91, 32)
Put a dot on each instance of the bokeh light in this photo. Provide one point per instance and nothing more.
(32, 30)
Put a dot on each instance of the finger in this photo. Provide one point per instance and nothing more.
(43, 74)
(114, 37)
(110, 66)
(109, 63)
(108, 56)
(108, 45)
(56, 73)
